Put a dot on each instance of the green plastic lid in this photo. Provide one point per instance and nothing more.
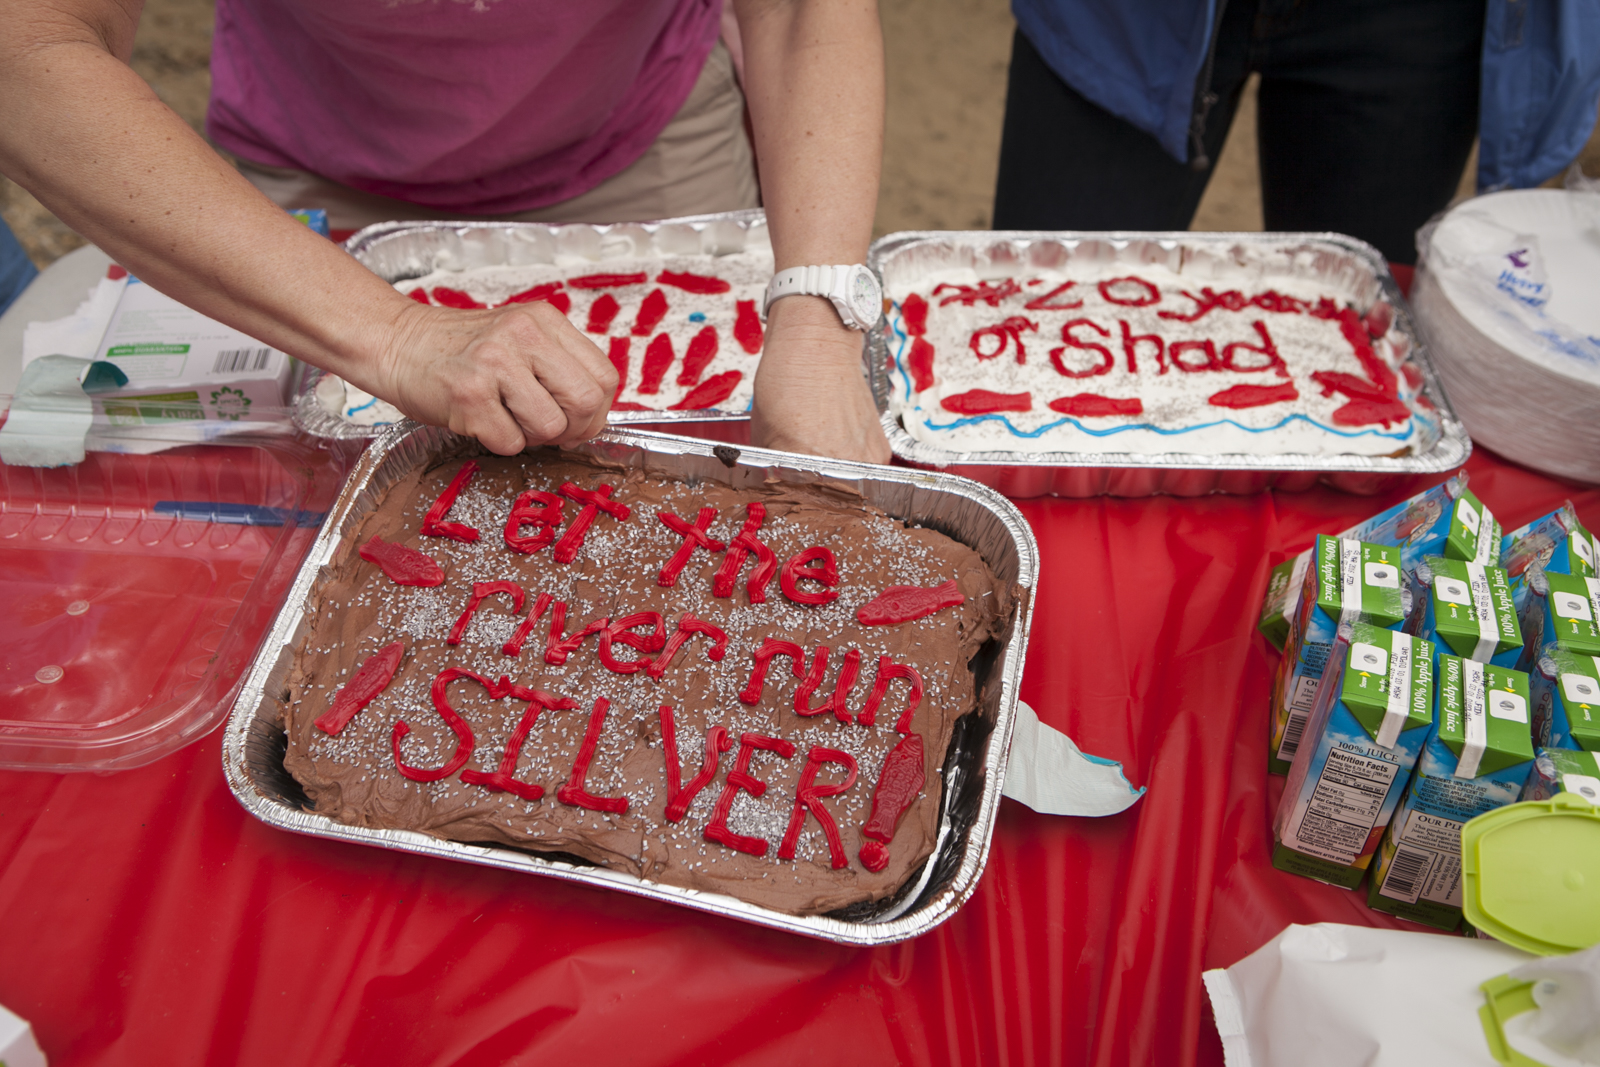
(1530, 874)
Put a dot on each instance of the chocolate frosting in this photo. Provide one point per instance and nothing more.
(357, 610)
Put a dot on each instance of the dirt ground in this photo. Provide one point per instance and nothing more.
(946, 71)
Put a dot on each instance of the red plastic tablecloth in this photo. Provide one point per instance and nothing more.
(145, 918)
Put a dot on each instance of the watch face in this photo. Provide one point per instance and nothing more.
(866, 298)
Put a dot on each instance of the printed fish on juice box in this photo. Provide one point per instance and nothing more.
(1477, 758)
(1366, 729)
(1469, 609)
(1566, 700)
(1348, 580)
(1427, 524)
(1555, 543)
(1561, 770)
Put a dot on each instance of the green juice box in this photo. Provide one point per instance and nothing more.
(1445, 520)
(1470, 611)
(1369, 722)
(1561, 770)
(1566, 700)
(1477, 758)
(1555, 543)
(1347, 580)
(1568, 615)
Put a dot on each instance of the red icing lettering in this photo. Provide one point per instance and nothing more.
(651, 311)
(814, 564)
(906, 603)
(920, 362)
(740, 778)
(370, 679)
(1207, 350)
(680, 797)
(1093, 405)
(841, 689)
(433, 524)
(888, 671)
(548, 515)
(1274, 301)
(1147, 295)
(1006, 332)
(601, 313)
(420, 295)
(1368, 404)
(968, 295)
(650, 642)
(550, 293)
(1054, 300)
(594, 502)
(513, 647)
(914, 314)
(1130, 348)
(457, 724)
(693, 283)
(574, 793)
(607, 281)
(809, 797)
(1350, 325)
(898, 785)
(984, 402)
(747, 326)
(1209, 300)
(698, 356)
(772, 646)
(454, 298)
(1254, 396)
(694, 536)
(481, 590)
(402, 565)
(619, 360)
(688, 626)
(739, 549)
(658, 357)
(1274, 362)
(711, 392)
(1106, 359)
(503, 780)
(559, 646)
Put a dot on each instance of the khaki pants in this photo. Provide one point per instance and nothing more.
(701, 163)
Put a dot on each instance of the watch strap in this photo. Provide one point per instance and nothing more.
(825, 281)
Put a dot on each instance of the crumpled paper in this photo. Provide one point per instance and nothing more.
(51, 413)
(1567, 990)
(1050, 774)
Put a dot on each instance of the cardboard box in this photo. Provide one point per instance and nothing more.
(1346, 581)
(1568, 615)
(1555, 543)
(1476, 758)
(1560, 770)
(1370, 720)
(1470, 611)
(1566, 700)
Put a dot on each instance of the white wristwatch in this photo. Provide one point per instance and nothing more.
(853, 288)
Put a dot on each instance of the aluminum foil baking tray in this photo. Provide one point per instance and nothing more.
(1348, 265)
(395, 251)
(974, 768)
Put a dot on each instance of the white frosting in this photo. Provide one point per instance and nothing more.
(1175, 394)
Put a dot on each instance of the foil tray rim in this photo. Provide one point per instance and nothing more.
(974, 851)
(1448, 453)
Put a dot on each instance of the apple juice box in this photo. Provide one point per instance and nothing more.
(1469, 610)
(1445, 520)
(1568, 613)
(1566, 700)
(1371, 717)
(1347, 580)
(1477, 758)
(1555, 543)
(1562, 770)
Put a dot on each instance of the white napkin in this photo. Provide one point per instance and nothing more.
(1051, 775)
(1567, 990)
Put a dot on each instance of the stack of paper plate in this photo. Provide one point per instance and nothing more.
(1508, 301)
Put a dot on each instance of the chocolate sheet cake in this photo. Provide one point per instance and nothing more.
(747, 692)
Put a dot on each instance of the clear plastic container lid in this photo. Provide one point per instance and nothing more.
(138, 586)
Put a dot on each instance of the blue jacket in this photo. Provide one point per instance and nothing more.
(1143, 60)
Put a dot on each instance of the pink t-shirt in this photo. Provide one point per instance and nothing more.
(470, 106)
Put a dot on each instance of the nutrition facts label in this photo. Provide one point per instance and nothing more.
(1344, 806)
(1427, 862)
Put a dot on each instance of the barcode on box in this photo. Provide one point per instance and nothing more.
(1291, 735)
(1405, 875)
(241, 360)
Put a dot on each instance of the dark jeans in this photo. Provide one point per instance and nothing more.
(1366, 115)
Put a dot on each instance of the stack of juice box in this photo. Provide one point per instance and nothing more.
(1426, 654)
